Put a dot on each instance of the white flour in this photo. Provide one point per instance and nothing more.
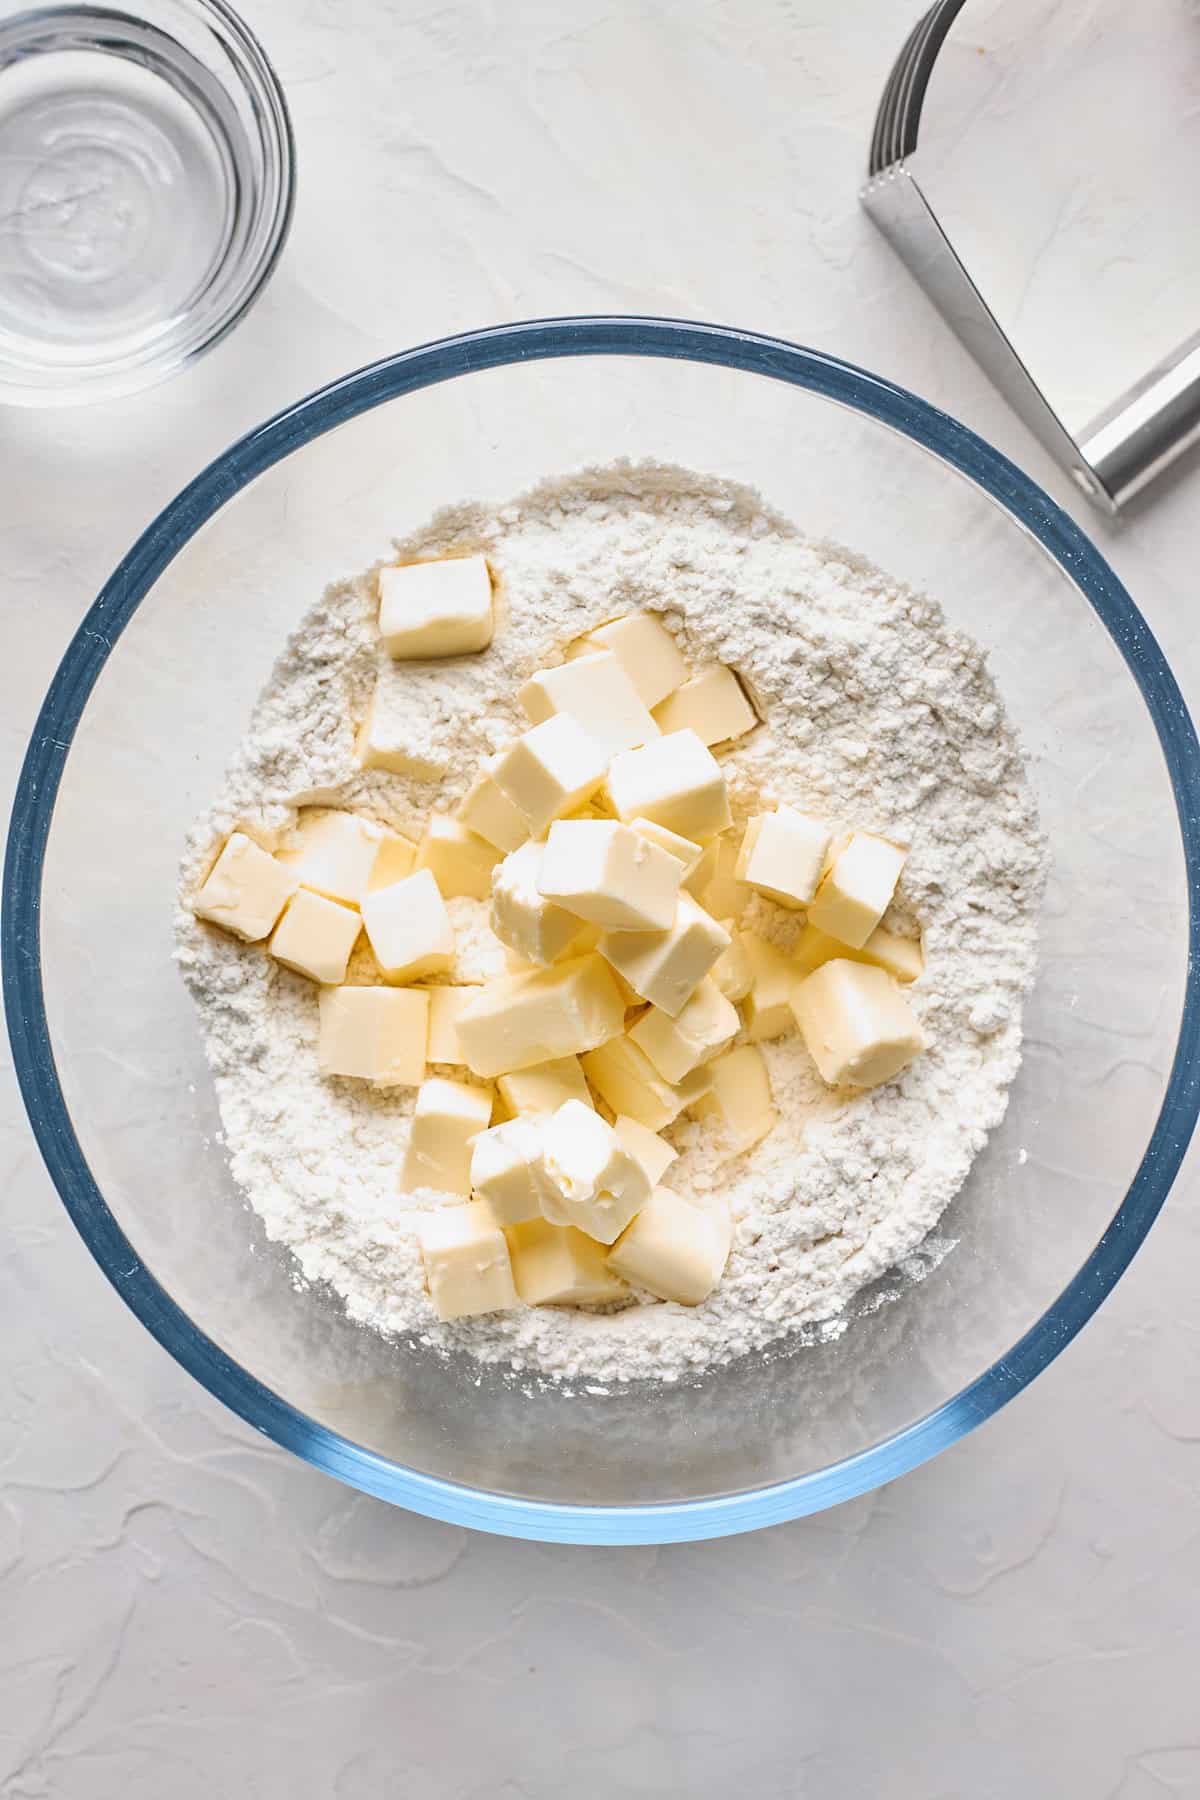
(878, 716)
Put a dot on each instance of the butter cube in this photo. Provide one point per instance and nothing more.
(445, 1004)
(731, 971)
(555, 1265)
(409, 928)
(521, 1020)
(712, 704)
(900, 956)
(740, 1097)
(492, 815)
(522, 917)
(653, 1152)
(448, 1117)
(394, 861)
(857, 1026)
(707, 1024)
(545, 1087)
(439, 608)
(461, 863)
(783, 855)
(857, 889)
(592, 1181)
(666, 967)
(315, 937)
(246, 889)
(507, 1170)
(716, 886)
(374, 1034)
(550, 771)
(767, 1007)
(646, 651)
(386, 739)
(467, 1268)
(333, 853)
(674, 781)
(674, 1250)
(609, 875)
(684, 850)
(597, 692)
(624, 1077)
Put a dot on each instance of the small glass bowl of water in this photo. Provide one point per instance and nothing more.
(146, 187)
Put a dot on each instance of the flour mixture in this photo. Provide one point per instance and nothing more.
(867, 721)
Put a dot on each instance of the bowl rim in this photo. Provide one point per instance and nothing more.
(390, 378)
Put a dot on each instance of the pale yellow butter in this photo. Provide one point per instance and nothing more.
(543, 1088)
(627, 1080)
(507, 1170)
(731, 971)
(550, 771)
(652, 1151)
(409, 928)
(646, 650)
(533, 927)
(740, 1096)
(555, 1265)
(467, 1267)
(684, 850)
(609, 875)
(375, 1034)
(783, 855)
(394, 861)
(666, 967)
(439, 608)
(857, 1026)
(674, 781)
(447, 1118)
(713, 704)
(857, 889)
(900, 956)
(315, 937)
(246, 889)
(767, 1006)
(492, 815)
(591, 1180)
(445, 1004)
(676, 1046)
(461, 862)
(598, 693)
(673, 1249)
(715, 883)
(334, 853)
(521, 1020)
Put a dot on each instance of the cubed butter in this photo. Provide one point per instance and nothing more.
(467, 1267)
(409, 928)
(535, 928)
(715, 883)
(545, 1087)
(767, 1007)
(461, 862)
(713, 704)
(387, 738)
(439, 608)
(333, 853)
(653, 1152)
(609, 875)
(684, 850)
(446, 1120)
(731, 971)
(246, 889)
(315, 937)
(783, 855)
(858, 1027)
(521, 1020)
(676, 1046)
(598, 693)
(646, 650)
(445, 1004)
(555, 1265)
(666, 967)
(900, 956)
(674, 781)
(395, 860)
(550, 771)
(591, 1180)
(507, 1170)
(740, 1097)
(673, 1249)
(374, 1034)
(492, 815)
(626, 1079)
(857, 889)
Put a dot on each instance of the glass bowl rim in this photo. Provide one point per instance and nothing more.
(390, 378)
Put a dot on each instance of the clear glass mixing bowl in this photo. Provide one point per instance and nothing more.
(153, 695)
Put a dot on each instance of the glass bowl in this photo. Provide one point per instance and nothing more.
(146, 185)
(151, 699)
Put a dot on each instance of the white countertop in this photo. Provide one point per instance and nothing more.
(187, 1612)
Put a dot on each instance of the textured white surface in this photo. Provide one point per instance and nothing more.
(188, 1612)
